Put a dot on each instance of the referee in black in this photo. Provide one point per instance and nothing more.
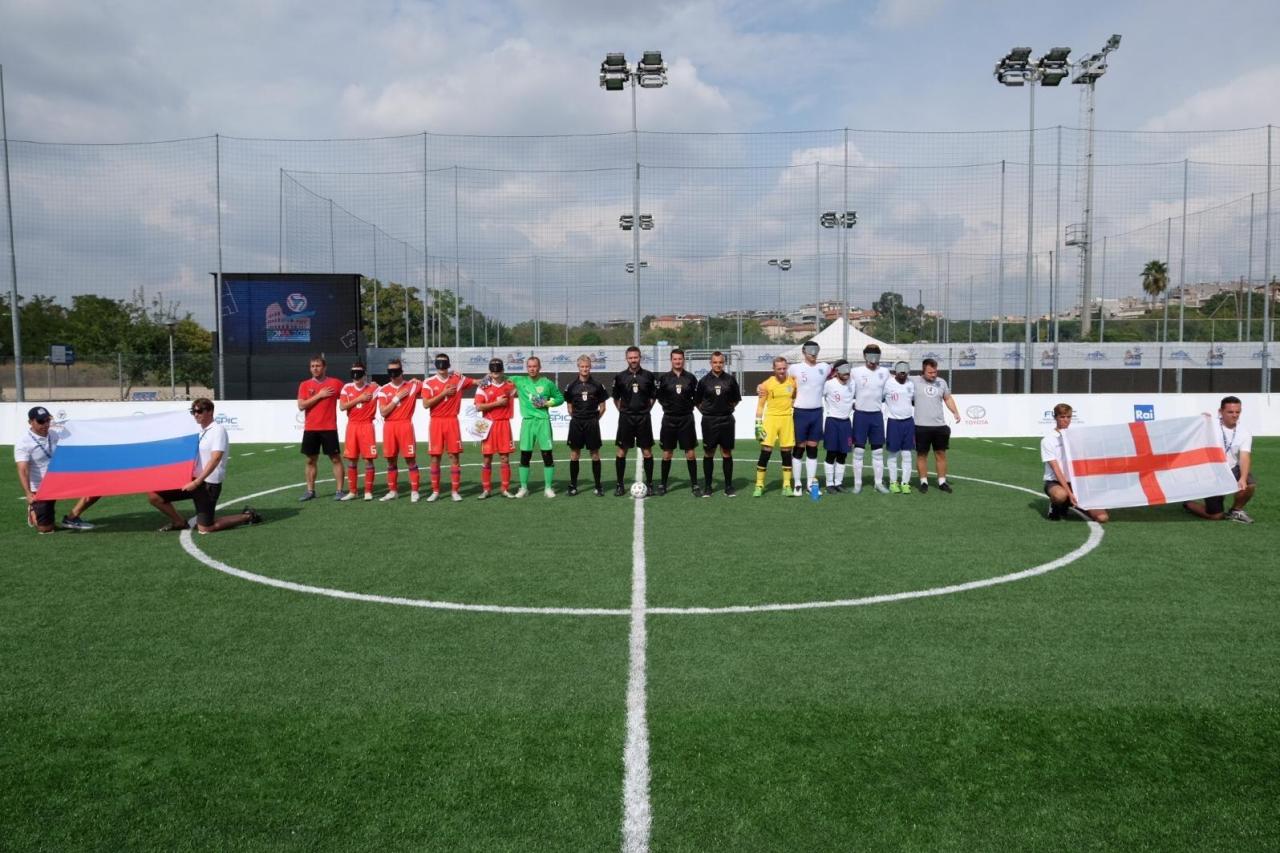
(587, 399)
(676, 388)
(634, 392)
(716, 397)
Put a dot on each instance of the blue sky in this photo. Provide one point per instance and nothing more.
(136, 70)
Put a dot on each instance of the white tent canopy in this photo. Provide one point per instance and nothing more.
(831, 340)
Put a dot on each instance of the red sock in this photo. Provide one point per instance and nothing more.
(393, 474)
(486, 476)
(415, 479)
(435, 474)
(506, 475)
(352, 476)
(455, 477)
(369, 475)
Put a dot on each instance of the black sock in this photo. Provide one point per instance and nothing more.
(812, 451)
(666, 469)
(648, 470)
(595, 471)
(620, 465)
(693, 471)
(727, 464)
(525, 456)
(573, 473)
(708, 468)
(764, 458)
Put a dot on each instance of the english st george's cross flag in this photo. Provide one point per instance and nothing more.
(1147, 463)
(122, 456)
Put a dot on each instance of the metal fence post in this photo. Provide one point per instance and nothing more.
(19, 386)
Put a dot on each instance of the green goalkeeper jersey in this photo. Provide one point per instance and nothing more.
(527, 389)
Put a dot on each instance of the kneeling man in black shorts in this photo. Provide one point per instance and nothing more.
(207, 474)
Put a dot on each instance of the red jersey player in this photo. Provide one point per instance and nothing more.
(318, 397)
(396, 404)
(357, 400)
(442, 394)
(493, 399)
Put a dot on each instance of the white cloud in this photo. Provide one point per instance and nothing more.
(1247, 101)
(897, 14)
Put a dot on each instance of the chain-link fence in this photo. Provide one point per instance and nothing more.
(466, 240)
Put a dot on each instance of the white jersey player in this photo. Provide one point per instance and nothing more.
(837, 434)
(809, 376)
(899, 405)
(868, 382)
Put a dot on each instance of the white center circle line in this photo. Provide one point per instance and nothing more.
(1093, 541)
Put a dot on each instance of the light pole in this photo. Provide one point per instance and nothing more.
(173, 386)
(1088, 71)
(650, 73)
(843, 220)
(781, 265)
(1018, 69)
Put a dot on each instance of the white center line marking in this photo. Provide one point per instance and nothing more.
(272, 450)
(636, 816)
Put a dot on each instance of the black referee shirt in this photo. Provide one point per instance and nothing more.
(635, 392)
(675, 393)
(584, 398)
(718, 396)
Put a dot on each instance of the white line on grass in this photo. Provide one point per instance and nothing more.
(1094, 539)
(271, 450)
(636, 816)
(1007, 444)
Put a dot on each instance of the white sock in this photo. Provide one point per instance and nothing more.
(811, 463)
(906, 466)
(795, 467)
(877, 464)
(941, 480)
(830, 470)
(857, 466)
(839, 467)
(893, 470)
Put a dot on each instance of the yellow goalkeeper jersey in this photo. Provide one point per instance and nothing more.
(779, 396)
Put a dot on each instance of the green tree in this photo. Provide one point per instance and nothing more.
(1155, 279)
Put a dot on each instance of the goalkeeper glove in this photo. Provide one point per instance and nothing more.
(759, 429)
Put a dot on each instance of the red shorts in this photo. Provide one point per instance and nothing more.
(398, 440)
(498, 440)
(444, 436)
(360, 442)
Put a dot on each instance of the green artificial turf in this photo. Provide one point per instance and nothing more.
(1125, 701)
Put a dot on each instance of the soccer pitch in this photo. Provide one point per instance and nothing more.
(586, 673)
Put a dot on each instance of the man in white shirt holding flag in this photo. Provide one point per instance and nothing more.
(1237, 442)
(1057, 485)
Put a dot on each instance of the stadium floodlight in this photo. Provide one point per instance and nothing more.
(1054, 66)
(631, 267)
(626, 222)
(650, 73)
(831, 219)
(614, 72)
(1018, 69)
(646, 222)
(1088, 70)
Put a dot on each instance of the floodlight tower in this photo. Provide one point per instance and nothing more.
(650, 73)
(844, 220)
(1088, 70)
(1019, 69)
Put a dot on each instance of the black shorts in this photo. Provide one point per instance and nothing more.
(678, 430)
(932, 438)
(717, 431)
(1218, 503)
(316, 440)
(205, 497)
(584, 432)
(44, 513)
(634, 431)
(1048, 484)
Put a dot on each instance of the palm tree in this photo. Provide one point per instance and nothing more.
(1155, 279)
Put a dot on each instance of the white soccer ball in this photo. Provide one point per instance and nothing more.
(638, 490)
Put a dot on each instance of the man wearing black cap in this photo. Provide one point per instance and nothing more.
(716, 397)
(634, 392)
(676, 390)
(587, 399)
(33, 452)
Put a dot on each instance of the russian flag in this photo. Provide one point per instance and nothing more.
(122, 456)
